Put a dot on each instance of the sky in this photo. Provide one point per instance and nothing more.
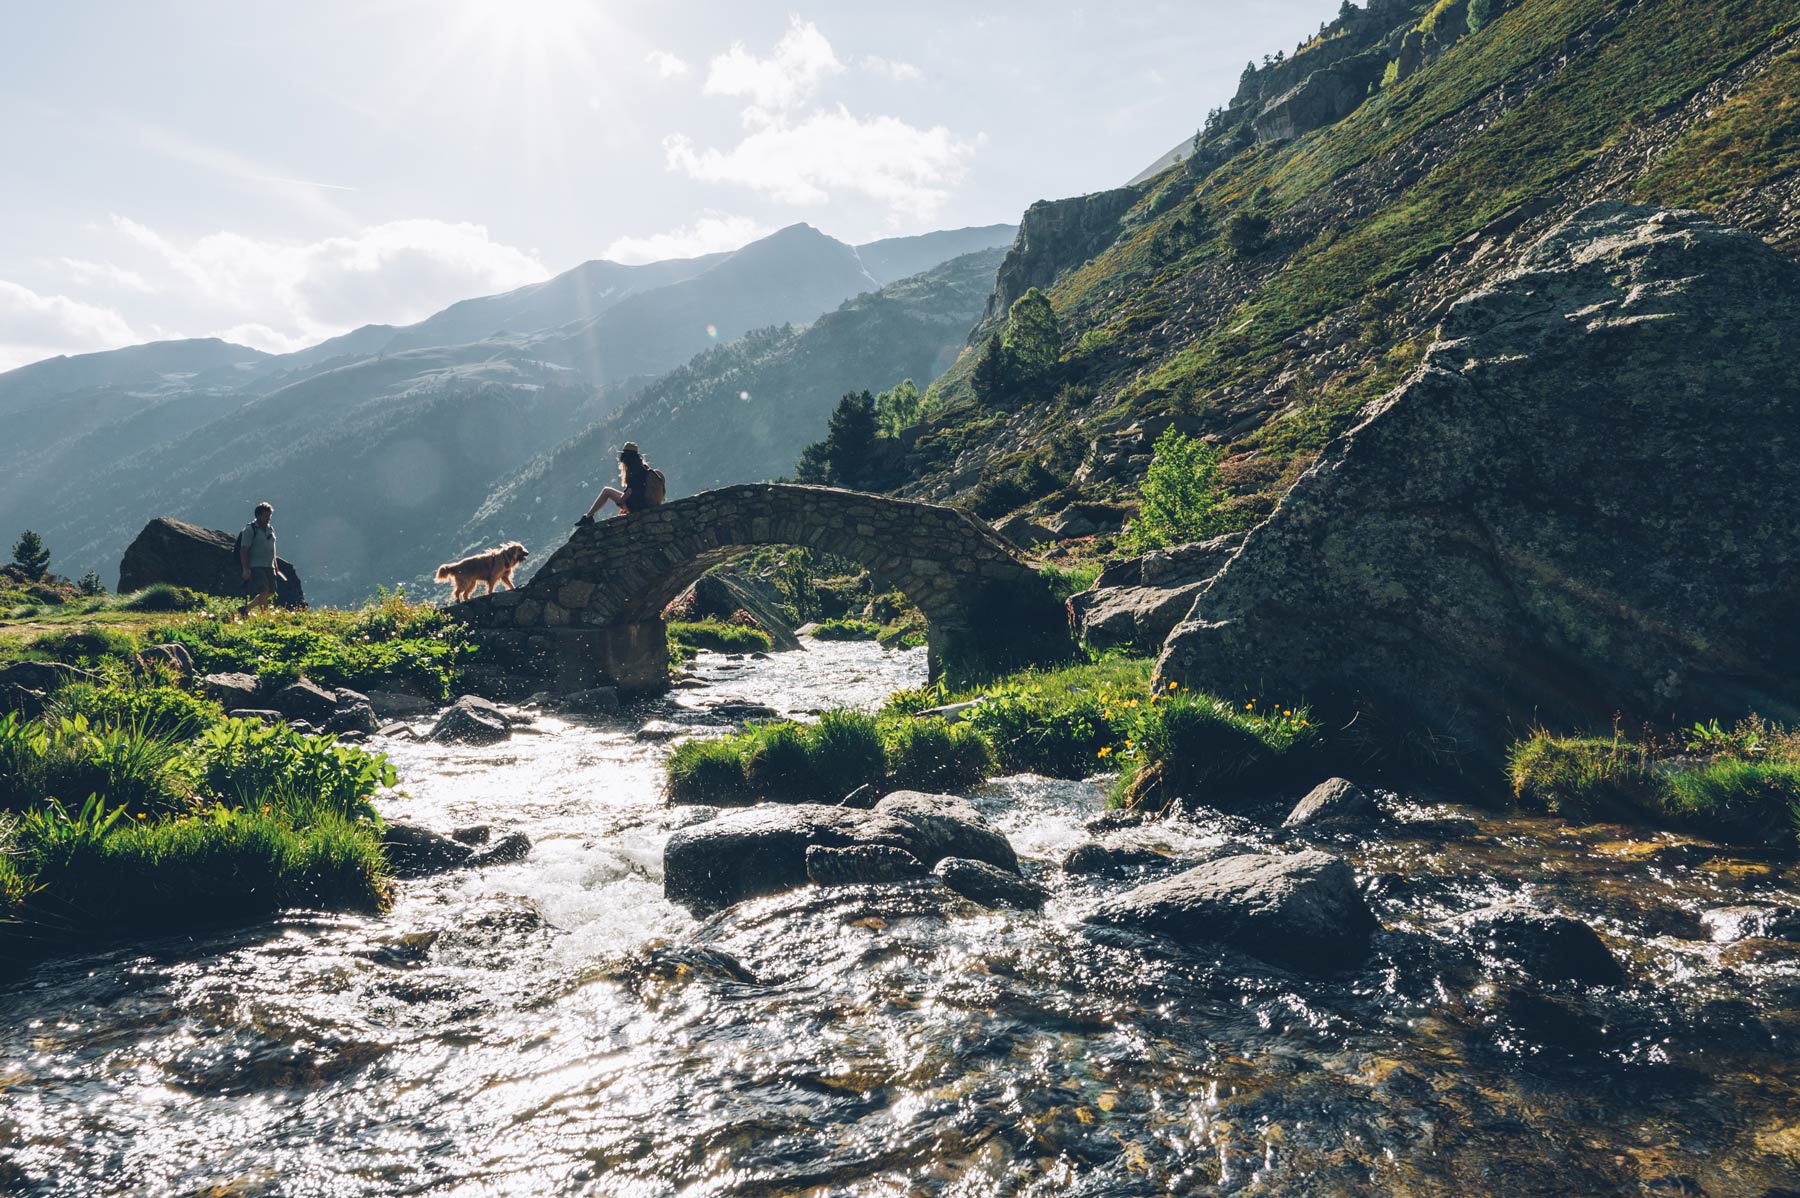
(278, 173)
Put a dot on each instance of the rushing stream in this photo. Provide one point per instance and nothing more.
(555, 1027)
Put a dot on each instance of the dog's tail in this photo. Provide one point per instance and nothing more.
(444, 574)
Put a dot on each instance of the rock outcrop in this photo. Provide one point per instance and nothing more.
(763, 850)
(201, 559)
(1137, 602)
(1301, 909)
(1580, 504)
(1053, 236)
(1322, 98)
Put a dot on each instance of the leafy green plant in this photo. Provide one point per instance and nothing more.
(1182, 498)
(930, 754)
(156, 708)
(248, 764)
(131, 766)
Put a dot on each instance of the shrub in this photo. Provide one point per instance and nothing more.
(1246, 232)
(930, 754)
(779, 761)
(1071, 579)
(163, 596)
(709, 770)
(845, 629)
(720, 636)
(156, 708)
(1583, 778)
(1182, 498)
(1059, 736)
(846, 752)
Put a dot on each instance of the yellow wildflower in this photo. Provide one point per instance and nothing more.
(1104, 751)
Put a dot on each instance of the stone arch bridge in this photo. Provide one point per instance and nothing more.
(592, 614)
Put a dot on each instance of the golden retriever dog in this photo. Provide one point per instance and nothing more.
(493, 567)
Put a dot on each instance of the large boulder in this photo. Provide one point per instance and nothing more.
(1334, 803)
(1137, 602)
(1579, 505)
(305, 700)
(989, 885)
(471, 720)
(1302, 909)
(1548, 946)
(201, 559)
(762, 850)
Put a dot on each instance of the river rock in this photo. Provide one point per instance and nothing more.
(414, 852)
(860, 864)
(1137, 602)
(1333, 803)
(1580, 504)
(471, 720)
(231, 689)
(305, 700)
(597, 700)
(1300, 909)
(514, 846)
(1547, 946)
(264, 715)
(982, 883)
(358, 718)
(754, 851)
(1112, 860)
(201, 559)
(1751, 922)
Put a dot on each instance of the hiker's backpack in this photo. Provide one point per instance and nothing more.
(656, 485)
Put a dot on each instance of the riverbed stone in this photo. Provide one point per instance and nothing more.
(305, 700)
(470, 721)
(175, 656)
(266, 715)
(754, 851)
(1334, 803)
(393, 705)
(1548, 946)
(860, 864)
(1298, 909)
(989, 885)
(413, 851)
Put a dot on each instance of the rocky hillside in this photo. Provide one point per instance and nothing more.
(741, 412)
(1294, 265)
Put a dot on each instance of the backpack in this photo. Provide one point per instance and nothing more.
(656, 485)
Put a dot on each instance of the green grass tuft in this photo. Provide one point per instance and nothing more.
(844, 628)
(719, 636)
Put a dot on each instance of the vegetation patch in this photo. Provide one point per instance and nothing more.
(844, 628)
(1741, 785)
(719, 635)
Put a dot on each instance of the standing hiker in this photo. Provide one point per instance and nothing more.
(256, 557)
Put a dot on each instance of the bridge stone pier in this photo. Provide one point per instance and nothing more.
(592, 614)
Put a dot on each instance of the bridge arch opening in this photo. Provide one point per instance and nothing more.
(592, 615)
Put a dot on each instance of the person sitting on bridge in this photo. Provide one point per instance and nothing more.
(641, 486)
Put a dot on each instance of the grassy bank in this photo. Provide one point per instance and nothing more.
(130, 803)
(1069, 723)
(1740, 785)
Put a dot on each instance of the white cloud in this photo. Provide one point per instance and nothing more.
(802, 59)
(667, 65)
(891, 68)
(280, 293)
(36, 326)
(103, 274)
(712, 232)
(799, 161)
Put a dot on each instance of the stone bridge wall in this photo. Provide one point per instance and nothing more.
(592, 614)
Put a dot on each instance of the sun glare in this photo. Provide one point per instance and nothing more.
(534, 25)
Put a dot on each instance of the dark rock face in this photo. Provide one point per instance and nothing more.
(1053, 236)
(266, 715)
(1580, 504)
(723, 596)
(25, 685)
(176, 656)
(860, 864)
(471, 721)
(1322, 98)
(1334, 802)
(201, 559)
(1302, 909)
(1549, 947)
(762, 850)
(982, 883)
(416, 852)
(1137, 602)
(231, 689)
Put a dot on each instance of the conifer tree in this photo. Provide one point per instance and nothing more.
(31, 555)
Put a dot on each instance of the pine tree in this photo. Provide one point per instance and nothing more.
(90, 584)
(850, 440)
(1033, 340)
(31, 555)
(993, 375)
